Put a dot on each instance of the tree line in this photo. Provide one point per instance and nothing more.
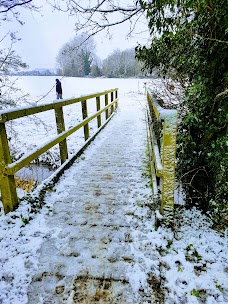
(78, 58)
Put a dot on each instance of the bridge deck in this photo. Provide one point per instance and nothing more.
(93, 252)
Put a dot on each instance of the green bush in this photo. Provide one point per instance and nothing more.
(189, 44)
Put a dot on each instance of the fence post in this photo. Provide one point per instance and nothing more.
(84, 116)
(164, 153)
(168, 162)
(98, 101)
(61, 128)
(116, 97)
(7, 182)
(112, 98)
(106, 103)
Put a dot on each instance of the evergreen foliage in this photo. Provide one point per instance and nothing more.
(191, 45)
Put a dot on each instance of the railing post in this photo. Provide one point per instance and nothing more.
(164, 152)
(61, 128)
(106, 103)
(168, 163)
(98, 101)
(112, 98)
(116, 97)
(7, 182)
(84, 116)
(151, 156)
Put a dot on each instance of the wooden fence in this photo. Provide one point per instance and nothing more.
(9, 168)
(162, 129)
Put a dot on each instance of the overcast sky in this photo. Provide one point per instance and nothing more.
(44, 33)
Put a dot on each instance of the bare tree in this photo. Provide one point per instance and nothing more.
(9, 60)
(95, 16)
(76, 56)
(122, 64)
(10, 7)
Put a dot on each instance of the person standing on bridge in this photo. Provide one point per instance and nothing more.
(59, 92)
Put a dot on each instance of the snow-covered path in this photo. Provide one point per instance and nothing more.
(94, 240)
(89, 256)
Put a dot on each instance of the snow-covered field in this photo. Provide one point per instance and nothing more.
(188, 266)
(28, 133)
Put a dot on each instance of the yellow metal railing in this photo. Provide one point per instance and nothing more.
(162, 129)
(9, 168)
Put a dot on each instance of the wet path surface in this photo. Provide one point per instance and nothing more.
(93, 249)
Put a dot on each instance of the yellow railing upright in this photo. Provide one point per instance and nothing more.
(8, 168)
(162, 148)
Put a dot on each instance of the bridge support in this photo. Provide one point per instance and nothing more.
(98, 102)
(168, 162)
(84, 116)
(61, 128)
(7, 182)
(106, 103)
(162, 124)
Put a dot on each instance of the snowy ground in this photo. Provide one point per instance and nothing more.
(27, 133)
(157, 266)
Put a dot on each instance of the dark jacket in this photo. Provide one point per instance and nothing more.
(58, 87)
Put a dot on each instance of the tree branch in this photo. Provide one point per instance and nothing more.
(14, 5)
(211, 39)
(217, 98)
(221, 95)
(120, 21)
(98, 15)
(208, 134)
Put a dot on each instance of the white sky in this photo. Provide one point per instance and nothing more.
(44, 33)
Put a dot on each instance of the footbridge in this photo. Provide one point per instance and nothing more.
(161, 139)
(99, 211)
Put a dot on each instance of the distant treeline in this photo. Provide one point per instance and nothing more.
(36, 72)
(78, 58)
